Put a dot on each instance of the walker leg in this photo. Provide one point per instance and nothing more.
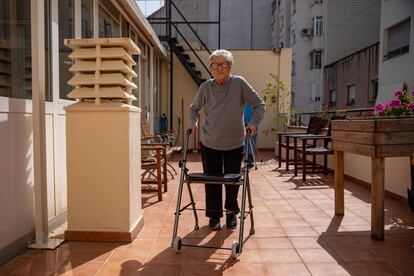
(177, 209)
(243, 209)
(249, 197)
(196, 226)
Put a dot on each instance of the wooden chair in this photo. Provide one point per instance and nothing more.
(304, 149)
(152, 159)
(315, 126)
(167, 139)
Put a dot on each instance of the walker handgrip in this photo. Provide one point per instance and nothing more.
(189, 131)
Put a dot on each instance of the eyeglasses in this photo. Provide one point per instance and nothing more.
(217, 65)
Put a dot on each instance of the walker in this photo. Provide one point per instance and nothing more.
(203, 178)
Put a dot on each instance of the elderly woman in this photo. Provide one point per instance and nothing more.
(223, 99)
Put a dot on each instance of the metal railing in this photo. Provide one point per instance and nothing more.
(300, 119)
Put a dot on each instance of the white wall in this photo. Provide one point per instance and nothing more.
(16, 163)
(397, 171)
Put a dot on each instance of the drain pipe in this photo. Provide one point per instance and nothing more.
(39, 128)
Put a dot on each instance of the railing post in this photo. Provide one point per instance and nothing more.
(169, 19)
(219, 26)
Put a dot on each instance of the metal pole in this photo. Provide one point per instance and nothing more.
(171, 66)
(219, 28)
(171, 88)
(169, 19)
(39, 127)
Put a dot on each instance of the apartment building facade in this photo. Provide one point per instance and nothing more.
(396, 54)
(319, 33)
(226, 24)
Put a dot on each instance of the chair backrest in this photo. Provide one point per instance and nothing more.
(335, 117)
(316, 125)
(145, 129)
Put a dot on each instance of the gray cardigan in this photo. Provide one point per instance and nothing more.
(223, 128)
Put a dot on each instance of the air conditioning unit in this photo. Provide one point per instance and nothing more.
(306, 32)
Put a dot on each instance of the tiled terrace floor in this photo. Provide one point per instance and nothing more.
(296, 234)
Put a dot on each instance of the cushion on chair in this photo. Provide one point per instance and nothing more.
(320, 150)
(205, 177)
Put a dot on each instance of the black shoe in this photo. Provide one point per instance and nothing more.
(231, 220)
(214, 224)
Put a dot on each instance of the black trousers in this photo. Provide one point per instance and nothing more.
(221, 162)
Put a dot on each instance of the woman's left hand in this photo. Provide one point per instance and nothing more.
(252, 129)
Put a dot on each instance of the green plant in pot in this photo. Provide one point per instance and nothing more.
(275, 94)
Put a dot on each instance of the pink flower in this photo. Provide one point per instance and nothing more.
(398, 93)
(410, 106)
(379, 108)
(412, 93)
(395, 103)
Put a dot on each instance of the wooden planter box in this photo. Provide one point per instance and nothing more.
(377, 138)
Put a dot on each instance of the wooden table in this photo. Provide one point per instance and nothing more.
(377, 138)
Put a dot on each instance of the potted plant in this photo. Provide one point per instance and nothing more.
(401, 105)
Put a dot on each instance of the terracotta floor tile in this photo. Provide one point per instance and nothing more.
(371, 268)
(127, 267)
(190, 269)
(402, 266)
(247, 256)
(122, 254)
(288, 222)
(161, 270)
(348, 254)
(296, 233)
(274, 243)
(202, 255)
(307, 242)
(287, 269)
(300, 231)
(331, 269)
(245, 269)
(72, 269)
(317, 255)
(279, 255)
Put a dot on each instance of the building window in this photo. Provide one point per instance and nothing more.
(15, 49)
(316, 59)
(293, 6)
(66, 30)
(332, 97)
(87, 19)
(315, 92)
(317, 26)
(351, 95)
(293, 68)
(373, 91)
(293, 36)
(398, 41)
(108, 19)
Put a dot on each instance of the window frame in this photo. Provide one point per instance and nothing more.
(351, 101)
(332, 92)
(317, 25)
(403, 49)
(313, 59)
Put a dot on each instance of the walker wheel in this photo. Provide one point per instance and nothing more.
(177, 244)
(196, 227)
(252, 231)
(235, 249)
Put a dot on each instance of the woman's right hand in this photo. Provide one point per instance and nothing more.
(192, 128)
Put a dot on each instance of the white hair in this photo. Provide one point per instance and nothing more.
(222, 53)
